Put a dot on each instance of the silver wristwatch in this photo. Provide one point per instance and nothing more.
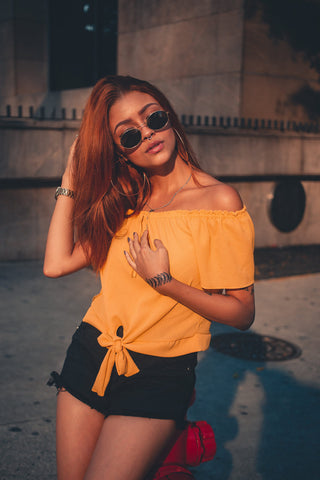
(64, 191)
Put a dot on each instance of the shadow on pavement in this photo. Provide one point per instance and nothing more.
(265, 421)
(264, 414)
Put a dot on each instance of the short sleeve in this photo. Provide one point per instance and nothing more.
(224, 246)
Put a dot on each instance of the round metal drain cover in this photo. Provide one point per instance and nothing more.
(251, 346)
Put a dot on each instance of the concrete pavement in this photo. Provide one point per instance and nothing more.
(265, 415)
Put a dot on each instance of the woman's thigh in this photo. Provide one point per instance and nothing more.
(77, 430)
(128, 447)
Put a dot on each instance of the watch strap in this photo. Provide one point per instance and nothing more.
(64, 191)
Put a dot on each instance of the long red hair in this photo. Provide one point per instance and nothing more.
(100, 173)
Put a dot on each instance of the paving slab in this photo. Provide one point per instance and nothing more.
(265, 414)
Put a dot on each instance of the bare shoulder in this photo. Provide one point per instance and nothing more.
(215, 195)
(224, 197)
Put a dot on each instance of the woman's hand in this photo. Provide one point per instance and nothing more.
(63, 255)
(146, 262)
(67, 176)
(235, 308)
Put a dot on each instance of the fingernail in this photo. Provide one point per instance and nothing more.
(128, 239)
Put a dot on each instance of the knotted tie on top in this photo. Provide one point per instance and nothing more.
(117, 354)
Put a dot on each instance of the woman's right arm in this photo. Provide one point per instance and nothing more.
(63, 255)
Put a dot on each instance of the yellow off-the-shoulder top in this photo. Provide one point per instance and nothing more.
(207, 250)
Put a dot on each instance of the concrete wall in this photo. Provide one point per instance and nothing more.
(25, 215)
(191, 50)
(257, 197)
(24, 62)
(7, 70)
(208, 58)
(33, 149)
(272, 71)
(233, 153)
(33, 155)
(248, 152)
(67, 99)
(32, 159)
(23, 47)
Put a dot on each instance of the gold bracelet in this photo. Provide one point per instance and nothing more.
(64, 191)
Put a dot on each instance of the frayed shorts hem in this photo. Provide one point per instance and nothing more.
(162, 389)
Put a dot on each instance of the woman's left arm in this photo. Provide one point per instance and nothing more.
(232, 307)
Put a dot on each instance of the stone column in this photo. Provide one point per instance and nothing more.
(191, 49)
(23, 47)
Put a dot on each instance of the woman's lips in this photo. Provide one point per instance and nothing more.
(155, 147)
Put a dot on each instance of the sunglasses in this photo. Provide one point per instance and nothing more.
(132, 137)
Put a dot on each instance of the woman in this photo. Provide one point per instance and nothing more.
(174, 250)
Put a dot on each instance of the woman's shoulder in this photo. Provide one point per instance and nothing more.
(211, 194)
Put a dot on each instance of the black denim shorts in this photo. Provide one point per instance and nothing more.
(161, 389)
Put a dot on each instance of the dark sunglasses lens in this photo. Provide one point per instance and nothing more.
(157, 120)
(131, 138)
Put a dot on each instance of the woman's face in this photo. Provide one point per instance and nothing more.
(157, 146)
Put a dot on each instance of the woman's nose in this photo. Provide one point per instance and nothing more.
(146, 132)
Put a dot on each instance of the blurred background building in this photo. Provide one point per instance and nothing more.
(242, 74)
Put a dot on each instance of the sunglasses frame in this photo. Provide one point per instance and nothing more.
(143, 125)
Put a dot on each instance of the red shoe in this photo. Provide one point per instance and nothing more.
(201, 444)
(196, 444)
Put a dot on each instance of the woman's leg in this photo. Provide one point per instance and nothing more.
(77, 430)
(128, 447)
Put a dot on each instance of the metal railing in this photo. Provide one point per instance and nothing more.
(41, 113)
(248, 123)
(200, 121)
